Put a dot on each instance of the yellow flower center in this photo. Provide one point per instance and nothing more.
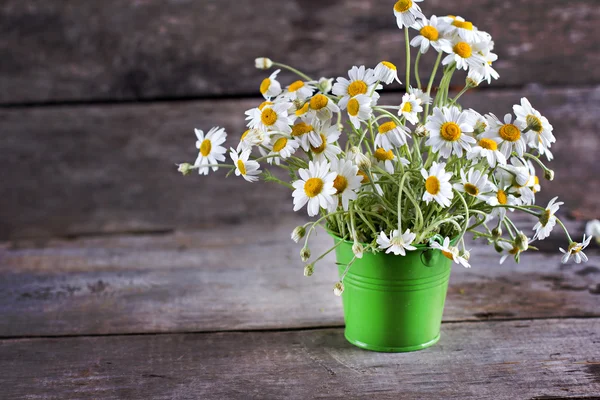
(471, 189)
(534, 123)
(268, 116)
(463, 24)
(295, 86)
(407, 107)
(463, 49)
(279, 144)
(205, 147)
(389, 65)
(488, 144)
(536, 182)
(264, 104)
(242, 167)
(448, 254)
(575, 247)
(340, 183)
(403, 5)
(514, 250)
(365, 178)
(450, 131)
(244, 135)
(303, 110)
(353, 107)
(430, 33)
(301, 128)
(501, 196)
(318, 102)
(313, 187)
(320, 149)
(388, 126)
(356, 88)
(383, 155)
(432, 185)
(510, 133)
(265, 85)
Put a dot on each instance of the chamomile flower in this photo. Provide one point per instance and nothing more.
(488, 149)
(263, 63)
(328, 150)
(463, 29)
(437, 185)
(509, 133)
(346, 183)
(210, 149)
(476, 120)
(520, 176)
(300, 111)
(420, 95)
(592, 228)
(362, 82)
(386, 72)
(462, 53)
(315, 188)
(253, 137)
(325, 85)
(299, 90)
(270, 87)
(450, 252)
(540, 135)
(385, 159)
(431, 34)
(306, 135)
(449, 131)
(283, 147)
(512, 250)
(475, 183)
(270, 117)
(397, 243)
(390, 136)
(407, 12)
(576, 250)
(248, 169)
(547, 220)
(359, 109)
(500, 197)
(410, 108)
(485, 71)
(322, 107)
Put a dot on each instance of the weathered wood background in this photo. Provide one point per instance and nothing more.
(119, 278)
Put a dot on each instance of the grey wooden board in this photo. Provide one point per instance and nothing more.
(75, 50)
(489, 360)
(73, 170)
(245, 277)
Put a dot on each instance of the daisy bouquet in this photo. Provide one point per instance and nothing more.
(390, 177)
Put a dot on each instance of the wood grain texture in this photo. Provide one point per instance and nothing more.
(245, 277)
(498, 360)
(74, 170)
(76, 50)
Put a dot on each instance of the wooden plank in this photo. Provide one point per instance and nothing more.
(85, 169)
(556, 359)
(74, 50)
(244, 277)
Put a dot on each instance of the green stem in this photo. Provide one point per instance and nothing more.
(430, 85)
(294, 70)
(417, 70)
(565, 229)
(407, 39)
(400, 190)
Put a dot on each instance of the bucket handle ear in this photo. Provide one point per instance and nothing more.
(427, 255)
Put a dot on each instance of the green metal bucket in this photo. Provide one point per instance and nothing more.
(393, 303)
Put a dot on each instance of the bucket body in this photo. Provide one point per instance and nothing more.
(393, 303)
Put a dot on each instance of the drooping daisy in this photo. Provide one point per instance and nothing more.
(431, 34)
(385, 159)
(397, 243)
(407, 12)
(511, 248)
(282, 147)
(547, 220)
(463, 29)
(386, 72)
(520, 176)
(420, 95)
(328, 150)
(359, 109)
(306, 135)
(592, 228)
(476, 120)
(346, 183)
(485, 71)
(270, 117)
(450, 252)
(410, 108)
(362, 82)
(475, 184)
(575, 250)
(315, 188)
(322, 107)
(390, 135)
(210, 149)
(500, 197)
(248, 169)
(300, 111)
(299, 90)
(325, 85)
(540, 135)
(509, 133)
(449, 129)
(270, 87)
(463, 54)
(437, 185)
(253, 137)
(488, 149)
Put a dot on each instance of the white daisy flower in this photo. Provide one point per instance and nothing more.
(463, 29)
(322, 107)
(407, 12)
(328, 150)
(270, 87)
(362, 82)
(385, 159)
(210, 149)
(547, 220)
(476, 120)
(346, 183)
(592, 228)
(299, 90)
(520, 176)
(300, 111)
(575, 250)
(475, 183)
(253, 137)
(270, 117)
(325, 85)
(437, 185)
(420, 95)
(397, 243)
(431, 34)
(485, 71)
(359, 109)
(386, 72)
(282, 147)
(511, 248)
(263, 63)
(540, 135)
(500, 196)
(410, 108)
(390, 135)
(306, 135)
(449, 129)
(359, 158)
(450, 252)
(463, 54)
(315, 188)
(488, 149)
(509, 133)
(248, 169)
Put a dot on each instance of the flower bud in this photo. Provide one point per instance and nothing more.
(305, 254)
(498, 248)
(466, 254)
(338, 289)
(325, 85)
(421, 131)
(184, 168)
(298, 233)
(497, 233)
(358, 250)
(309, 270)
(263, 63)
(549, 174)
(522, 242)
(360, 159)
